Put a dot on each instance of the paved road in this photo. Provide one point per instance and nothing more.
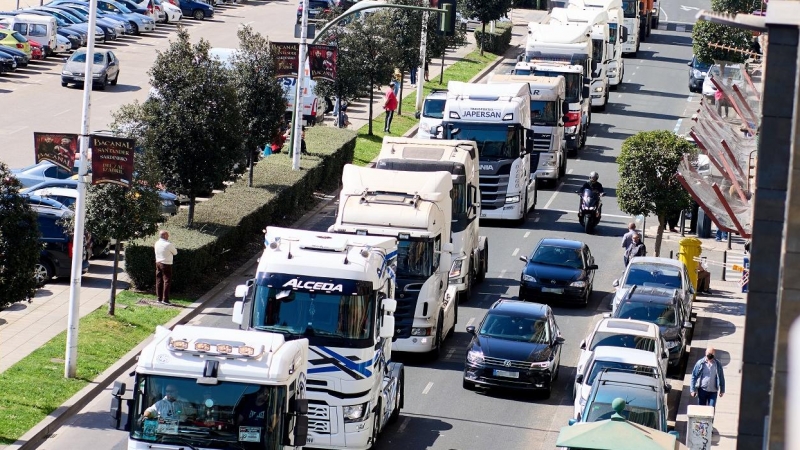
(40, 103)
(439, 414)
(682, 11)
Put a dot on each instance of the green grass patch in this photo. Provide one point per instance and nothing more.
(35, 386)
(368, 146)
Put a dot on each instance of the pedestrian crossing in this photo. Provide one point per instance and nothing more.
(676, 26)
(734, 258)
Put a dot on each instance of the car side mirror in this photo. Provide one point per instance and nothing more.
(592, 267)
(579, 378)
(667, 388)
(523, 259)
(560, 340)
(471, 330)
(583, 344)
(615, 283)
(689, 64)
(572, 422)
(688, 325)
(417, 115)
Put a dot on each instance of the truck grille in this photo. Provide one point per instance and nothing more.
(319, 412)
(500, 362)
(406, 307)
(494, 187)
(319, 427)
(541, 141)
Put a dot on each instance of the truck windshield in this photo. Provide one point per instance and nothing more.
(495, 141)
(416, 258)
(340, 316)
(629, 8)
(543, 112)
(612, 33)
(172, 410)
(573, 81)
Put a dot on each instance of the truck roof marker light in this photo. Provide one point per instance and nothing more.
(246, 350)
(177, 344)
(365, 251)
(202, 346)
(225, 349)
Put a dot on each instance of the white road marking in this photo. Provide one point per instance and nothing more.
(502, 273)
(62, 112)
(634, 73)
(680, 28)
(677, 126)
(450, 353)
(403, 425)
(689, 8)
(527, 233)
(666, 17)
(690, 98)
(570, 171)
(616, 216)
(427, 388)
(637, 68)
(619, 95)
(471, 321)
(535, 219)
(514, 253)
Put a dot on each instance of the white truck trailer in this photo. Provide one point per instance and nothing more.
(497, 117)
(214, 388)
(617, 35)
(414, 208)
(549, 155)
(337, 292)
(460, 159)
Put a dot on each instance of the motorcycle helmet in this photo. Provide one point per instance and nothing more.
(594, 176)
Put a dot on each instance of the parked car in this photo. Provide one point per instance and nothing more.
(315, 9)
(12, 39)
(105, 69)
(139, 22)
(55, 259)
(614, 359)
(37, 51)
(644, 400)
(7, 63)
(35, 27)
(432, 114)
(63, 44)
(76, 37)
(558, 270)
(111, 28)
(196, 9)
(173, 13)
(626, 334)
(651, 271)
(664, 308)
(120, 24)
(731, 76)
(697, 74)
(36, 173)
(19, 57)
(65, 191)
(76, 22)
(517, 345)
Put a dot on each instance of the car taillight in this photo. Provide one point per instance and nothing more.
(150, 9)
(20, 45)
(573, 117)
(69, 248)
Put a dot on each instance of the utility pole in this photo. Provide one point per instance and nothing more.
(423, 45)
(298, 98)
(71, 357)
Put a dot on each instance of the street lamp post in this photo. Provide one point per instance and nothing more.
(298, 98)
(423, 46)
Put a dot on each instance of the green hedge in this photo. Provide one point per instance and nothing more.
(497, 42)
(228, 221)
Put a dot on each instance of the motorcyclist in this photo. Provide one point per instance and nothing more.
(592, 184)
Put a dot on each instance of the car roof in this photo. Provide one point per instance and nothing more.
(66, 192)
(521, 308)
(651, 294)
(656, 260)
(638, 390)
(49, 182)
(629, 378)
(628, 326)
(558, 242)
(626, 355)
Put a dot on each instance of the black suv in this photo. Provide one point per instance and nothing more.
(663, 307)
(55, 259)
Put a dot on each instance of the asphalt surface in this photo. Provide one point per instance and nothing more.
(439, 413)
(682, 11)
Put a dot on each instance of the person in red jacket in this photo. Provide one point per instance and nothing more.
(389, 105)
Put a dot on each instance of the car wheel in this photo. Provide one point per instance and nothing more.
(42, 272)
(63, 84)
(548, 392)
(114, 81)
(103, 82)
(198, 14)
(468, 385)
(134, 28)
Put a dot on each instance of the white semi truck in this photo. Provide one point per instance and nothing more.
(414, 208)
(337, 292)
(597, 20)
(549, 155)
(632, 23)
(460, 159)
(617, 35)
(214, 388)
(497, 117)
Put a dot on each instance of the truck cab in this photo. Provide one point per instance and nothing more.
(617, 36)
(460, 159)
(631, 22)
(215, 388)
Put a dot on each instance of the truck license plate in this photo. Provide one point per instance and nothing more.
(505, 373)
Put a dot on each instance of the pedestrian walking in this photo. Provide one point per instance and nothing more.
(413, 76)
(397, 77)
(627, 238)
(426, 71)
(303, 150)
(636, 248)
(165, 250)
(721, 235)
(719, 99)
(389, 106)
(708, 381)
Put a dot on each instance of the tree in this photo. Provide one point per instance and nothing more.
(114, 212)
(261, 101)
(19, 242)
(735, 6)
(705, 33)
(193, 124)
(648, 165)
(486, 11)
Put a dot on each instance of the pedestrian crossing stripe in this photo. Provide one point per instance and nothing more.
(677, 27)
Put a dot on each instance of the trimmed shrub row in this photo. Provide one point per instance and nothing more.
(497, 42)
(227, 222)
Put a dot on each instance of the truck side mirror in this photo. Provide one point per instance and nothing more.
(389, 305)
(300, 406)
(586, 92)
(417, 115)
(641, 7)
(301, 431)
(116, 403)
(624, 37)
(387, 327)
(241, 291)
(237, 315)
(447, 247)
(529, 143)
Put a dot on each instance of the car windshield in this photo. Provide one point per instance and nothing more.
(512, 328)
(701, 66)
(543, 112)
(226, 415)
(607, 339)
(121, 7)
(81, 58)
(642, 416)
(433, 108)
(557, 256)
(654, 275)
(495, 141)
(600, 366)
(732, 72)
(657, 313)
(527, 71)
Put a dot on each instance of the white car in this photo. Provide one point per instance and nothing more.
(614, 359)
(62, 44)
(655, 272)
(172, 13)
(624, 333)
(732, 75)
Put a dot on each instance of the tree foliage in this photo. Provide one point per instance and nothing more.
(735, 6)
(648, 185)
(19, 242)
(485, 11)
(193, 123)
(114, 212)
(705, 33)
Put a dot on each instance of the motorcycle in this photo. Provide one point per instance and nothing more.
(590, 210)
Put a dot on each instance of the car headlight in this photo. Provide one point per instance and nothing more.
(475, 357)
(612, 71)
(551, 163)
(673, 343)
(541, 365)
(512, 199)
(421, 331)
(578, 284)
(598, 89)
(425, 127)
(697, 73)
(571, 130)
(455, 271)
(528, 278)
(96, 75)
(67, 73)
(354, 413)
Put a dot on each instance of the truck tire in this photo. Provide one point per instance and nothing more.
(524, 205)
(438, 338)
(376, 425)
(465, 295)
(398, 402)
(481, 275)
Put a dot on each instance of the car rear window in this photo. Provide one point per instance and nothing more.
(642, 416)
(19, 37)
(599, 366)
(605, 339)
(657, 313)
(653, 275)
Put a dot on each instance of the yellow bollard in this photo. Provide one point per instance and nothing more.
(689, 250)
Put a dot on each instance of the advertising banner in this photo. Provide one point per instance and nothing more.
(112, 160)
(286, 56)
(58, 148)
(322, 59)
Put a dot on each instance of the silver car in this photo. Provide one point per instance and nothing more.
(105, 69)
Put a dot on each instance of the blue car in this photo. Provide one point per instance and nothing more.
(55, 259)
(34, 174)
(197, 10)
(139, 22)
(558, 270)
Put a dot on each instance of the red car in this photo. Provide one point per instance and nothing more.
(36, 49)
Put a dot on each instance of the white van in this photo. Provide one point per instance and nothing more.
(432, 114)
(42, 29)
(313, 105)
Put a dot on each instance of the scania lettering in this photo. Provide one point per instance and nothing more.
(508, 191)
(460, 159)
(597, 19)
(217, 374)
(337, 292)
(416, 209)
(617, 35)
(548, 156)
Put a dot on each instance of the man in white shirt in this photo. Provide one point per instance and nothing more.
(165, 250)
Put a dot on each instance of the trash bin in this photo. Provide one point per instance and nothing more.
(703, 224)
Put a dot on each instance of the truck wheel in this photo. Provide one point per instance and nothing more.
(481, 275)
(437, 351)
(466, 294)
(562, 169)
(376, 424)
(397, 402)
(524, 205)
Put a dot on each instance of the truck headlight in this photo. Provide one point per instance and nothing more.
(354, 413)
(578, 284)
(598, 89)
(528, 278)
(421, 331)
(551, 163)
(425, 127)
(475, 357)
(612, 71)
(67, 73)
(455, 271)
(512, 199)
